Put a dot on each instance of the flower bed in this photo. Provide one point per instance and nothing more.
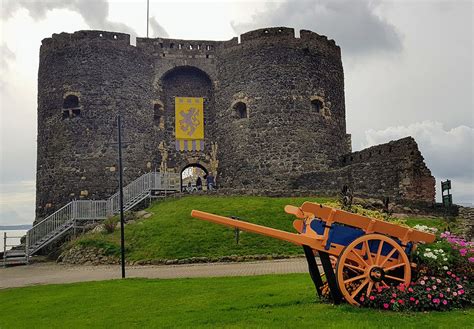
(442, 280)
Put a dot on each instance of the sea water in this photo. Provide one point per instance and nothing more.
(11, 241)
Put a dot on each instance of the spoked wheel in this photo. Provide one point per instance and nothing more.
(373, 260)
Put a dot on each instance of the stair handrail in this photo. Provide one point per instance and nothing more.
(53, 221)
(136, 188)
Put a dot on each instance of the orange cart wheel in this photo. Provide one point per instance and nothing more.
(370, 261)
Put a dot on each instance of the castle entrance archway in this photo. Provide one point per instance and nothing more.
(193, 178)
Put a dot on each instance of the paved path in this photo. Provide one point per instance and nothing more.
(47, 273)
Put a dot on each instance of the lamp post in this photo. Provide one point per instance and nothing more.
(122, 233)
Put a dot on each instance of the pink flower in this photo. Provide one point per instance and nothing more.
(429, 296)
(463, 252)
(394, 295)
(401, 301)
(441, 295)
(428, 289)
(425, 278)
(438, 281)
(410, 289)
(445, 302)
(449, 273)
(436, 300)
(361, 298)
(453, 275)
(460, 292)
(471, 259)
(386, 305)
(392, 301)
(412, 299)
(371, 297)
(416, 302)
(422, 282)
(448, 290)
(455, 293)
(434, 287)
(457, 279)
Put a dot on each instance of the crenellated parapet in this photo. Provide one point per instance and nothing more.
(68, 40)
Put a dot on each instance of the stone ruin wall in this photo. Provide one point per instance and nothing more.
(396, 170)
(283, 137)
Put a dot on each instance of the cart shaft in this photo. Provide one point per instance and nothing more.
(254, 228)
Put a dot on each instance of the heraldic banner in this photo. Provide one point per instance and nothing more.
(189, 123)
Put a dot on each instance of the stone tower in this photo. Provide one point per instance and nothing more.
(273, 111)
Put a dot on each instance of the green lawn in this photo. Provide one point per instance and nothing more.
(283, 301)
(171, 233)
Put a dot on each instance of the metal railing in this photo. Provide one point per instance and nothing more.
(62, 220)
(89, 209)
(50, 224)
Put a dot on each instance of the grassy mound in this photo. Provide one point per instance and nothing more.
(171, 233)
(277, 301)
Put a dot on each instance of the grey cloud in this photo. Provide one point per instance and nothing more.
(158, 30)
(353, 24)
(94, 12)
(6, 55)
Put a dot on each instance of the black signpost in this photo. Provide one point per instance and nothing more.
(447, 198)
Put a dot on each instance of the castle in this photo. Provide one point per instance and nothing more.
(273, 117)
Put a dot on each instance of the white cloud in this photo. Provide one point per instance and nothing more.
(448, 153)
(17, 203)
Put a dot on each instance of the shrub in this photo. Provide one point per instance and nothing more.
(109, 224)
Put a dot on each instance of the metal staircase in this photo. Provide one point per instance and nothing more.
(67, 218)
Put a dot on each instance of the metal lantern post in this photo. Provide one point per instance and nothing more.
(122, 233)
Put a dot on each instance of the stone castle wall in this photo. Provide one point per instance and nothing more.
(395, 169)
(292, 90)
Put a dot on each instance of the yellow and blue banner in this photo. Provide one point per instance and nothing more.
(189, 123)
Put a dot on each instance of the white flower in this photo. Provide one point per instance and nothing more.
(445, 267)
(445, 259)
(428, 249)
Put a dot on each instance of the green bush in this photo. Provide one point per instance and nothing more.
(109, 224)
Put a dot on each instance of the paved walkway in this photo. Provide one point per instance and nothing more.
(48, 273)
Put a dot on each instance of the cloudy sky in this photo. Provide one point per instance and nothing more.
(408, 70)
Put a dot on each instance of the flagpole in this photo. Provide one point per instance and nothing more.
(147, 16)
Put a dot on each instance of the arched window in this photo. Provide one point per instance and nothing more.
(241, 109)
(317, 105)
(71, 107)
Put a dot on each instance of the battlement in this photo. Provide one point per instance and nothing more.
(70, 39)
(164, 45)
(280, 33)
(177, 45)
(286, 36)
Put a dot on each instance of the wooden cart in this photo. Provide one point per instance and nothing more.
(370, 252)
